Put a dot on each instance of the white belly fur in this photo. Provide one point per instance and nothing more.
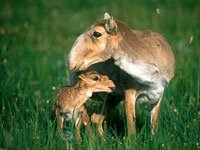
(146, 74)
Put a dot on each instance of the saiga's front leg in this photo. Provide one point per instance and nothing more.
(130, 100)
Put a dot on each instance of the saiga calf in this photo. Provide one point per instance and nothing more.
(69, 105)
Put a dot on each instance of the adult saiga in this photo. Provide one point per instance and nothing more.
(141, 64)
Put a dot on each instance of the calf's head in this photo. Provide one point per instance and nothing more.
(95, 45)
(96, 82)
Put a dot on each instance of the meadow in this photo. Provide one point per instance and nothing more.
(35, 37)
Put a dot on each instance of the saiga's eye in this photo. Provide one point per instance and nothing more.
(97, 34)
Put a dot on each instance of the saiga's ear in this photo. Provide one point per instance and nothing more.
(106, 16)
(110, 25)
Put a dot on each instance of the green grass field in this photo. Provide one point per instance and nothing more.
(35, 37)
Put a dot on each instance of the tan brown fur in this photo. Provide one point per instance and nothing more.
(71, 100)
(141, 63)
(146, 46)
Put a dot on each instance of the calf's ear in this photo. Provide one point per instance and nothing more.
(81, 77)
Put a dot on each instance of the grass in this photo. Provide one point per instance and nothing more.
(35, 37)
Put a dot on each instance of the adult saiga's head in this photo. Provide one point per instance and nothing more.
(95, 45)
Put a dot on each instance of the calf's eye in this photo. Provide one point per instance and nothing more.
(95, 78)
(97, 34)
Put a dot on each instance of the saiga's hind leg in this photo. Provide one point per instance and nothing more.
(154, 117)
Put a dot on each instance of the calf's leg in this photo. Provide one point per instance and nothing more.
(86, 121)
(109, 104)
(60, 123)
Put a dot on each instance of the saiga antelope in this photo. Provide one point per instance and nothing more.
(141, 64)
(69, 105)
